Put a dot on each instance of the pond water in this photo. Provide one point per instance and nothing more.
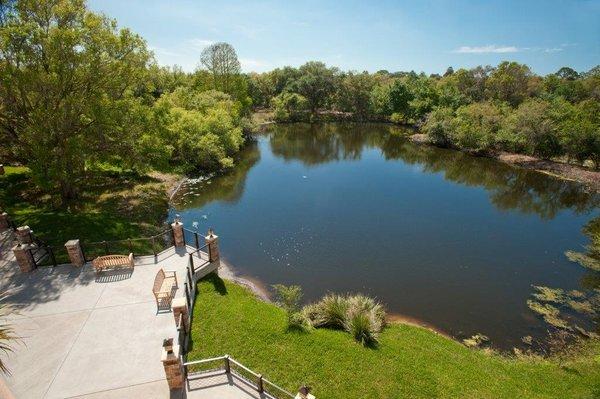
(436, 235)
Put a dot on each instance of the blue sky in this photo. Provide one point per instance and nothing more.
(369, 35)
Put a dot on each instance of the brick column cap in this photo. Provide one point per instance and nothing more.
(167, 357)
(24, 247)
(179, 302)
(211, 237)
(72, 243)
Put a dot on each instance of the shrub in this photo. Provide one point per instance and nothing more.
(330, 311)
(288, 297)
(439, 126)
(532, 126)
(364, 320)
(398, 117)
(476, 126)
(290, 107)
(359, 315)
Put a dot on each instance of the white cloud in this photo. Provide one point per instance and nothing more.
(493, 48)
(253, 65)
(486, 49)
(198, 44)
(553, 50)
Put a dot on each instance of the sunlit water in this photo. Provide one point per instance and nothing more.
(436, 235)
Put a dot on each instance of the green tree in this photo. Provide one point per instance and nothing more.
(354, 94)
(221, 61)
(439, 126)
(316, 83)
(290, 107)
(380, 100)
(509, 82)
(476, 126)
(579, 129)
(537, 130)
(67, 78)
(205, 127)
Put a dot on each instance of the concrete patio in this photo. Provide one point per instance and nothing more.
(84, 336)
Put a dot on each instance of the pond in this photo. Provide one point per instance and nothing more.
(451, 240)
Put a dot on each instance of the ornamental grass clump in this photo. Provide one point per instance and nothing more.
(364, 320)
(331, 312)
(361, 316)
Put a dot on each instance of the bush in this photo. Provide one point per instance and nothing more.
(439, 126)
(532, 128)
(330, 311)
(288, 297)
(476, 126)
(398, 117)
(359, 315)
(364, 320)
(290, 107)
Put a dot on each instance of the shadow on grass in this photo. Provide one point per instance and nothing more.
(295, 329)
(217, 283)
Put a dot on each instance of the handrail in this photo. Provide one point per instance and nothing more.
(130, 239)
(201, 361)
(198, 249)
(228, 360)
(278, 387)
(243, 367)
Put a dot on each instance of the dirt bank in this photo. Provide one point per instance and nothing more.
(588, 177)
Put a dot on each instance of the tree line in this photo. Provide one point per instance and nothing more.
(502, 108)
(78, 93)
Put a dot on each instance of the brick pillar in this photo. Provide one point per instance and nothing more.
(179, 307)
(212, 240)
(23, 234)
(75, 253)
(3, 221)
(23, 256)
(177, 227)
(1, 169)
(172, 364)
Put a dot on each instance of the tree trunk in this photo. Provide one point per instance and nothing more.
(68, 191)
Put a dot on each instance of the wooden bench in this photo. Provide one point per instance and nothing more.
(165, 285)
(112, 261)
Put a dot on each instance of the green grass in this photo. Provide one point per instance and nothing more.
(410, 362)
(115, 205)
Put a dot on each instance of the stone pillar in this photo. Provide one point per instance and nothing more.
(75, 253)
(172, 364)
(179, 307)
(212, 240)
(3, 221)
(23, 256)
(1, 169)
(23, 234)
(178, 238)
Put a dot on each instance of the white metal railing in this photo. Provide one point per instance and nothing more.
(230, 365)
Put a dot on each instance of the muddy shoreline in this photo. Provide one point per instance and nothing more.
(560, 170)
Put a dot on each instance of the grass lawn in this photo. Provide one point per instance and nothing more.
(410, 362)
(116, 205)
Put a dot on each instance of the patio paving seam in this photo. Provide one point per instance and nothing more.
(73, 344)
(113, 389)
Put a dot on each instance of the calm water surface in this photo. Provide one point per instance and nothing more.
(452, 240)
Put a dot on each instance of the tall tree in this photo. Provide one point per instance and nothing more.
(509, 82)
(221, 60)
(66, 81)
(316, 83)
